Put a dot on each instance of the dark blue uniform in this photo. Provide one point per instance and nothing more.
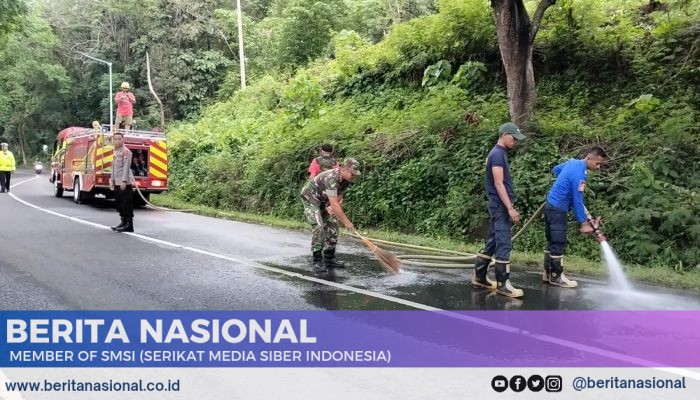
(566, 194)
(498, 244)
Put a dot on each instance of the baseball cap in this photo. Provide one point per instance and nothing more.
(511, 129)
(353, 165)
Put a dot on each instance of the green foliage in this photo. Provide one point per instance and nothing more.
(10, 13)
(306, 29)
(621, 73)
(470, 75)
(437, 74)
(33, 88)
(303, 98)
(424, 150)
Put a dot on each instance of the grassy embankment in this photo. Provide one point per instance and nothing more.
(575, 265)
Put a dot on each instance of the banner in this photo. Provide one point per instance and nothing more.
(343, 339)
(306, 355)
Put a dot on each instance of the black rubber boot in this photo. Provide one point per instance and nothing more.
(318, 262)
(547, 266)
(481, 268)
(329, 259)
(121, 225)
(556, 273)
(503, 280)
(128, 226)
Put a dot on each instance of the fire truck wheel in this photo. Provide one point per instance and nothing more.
(57, 188)
(78, 197)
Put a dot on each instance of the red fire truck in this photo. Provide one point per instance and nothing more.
(82, 163)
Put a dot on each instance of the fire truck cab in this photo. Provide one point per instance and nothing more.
(82, 163)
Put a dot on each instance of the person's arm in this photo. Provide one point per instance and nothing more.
(338, 212)
(12, 159)
(132, 98)
(497, 172)
(577, 185)
(557, 170)
(125, 176)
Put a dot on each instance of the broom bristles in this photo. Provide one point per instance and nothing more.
(387, 260)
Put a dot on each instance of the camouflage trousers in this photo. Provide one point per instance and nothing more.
(324, 234)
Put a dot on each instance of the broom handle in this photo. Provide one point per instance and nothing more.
(367, 242)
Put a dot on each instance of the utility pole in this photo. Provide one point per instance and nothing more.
(241, 56)
(111, 98)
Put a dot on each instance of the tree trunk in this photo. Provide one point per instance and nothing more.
(23, 145)
(516, 35)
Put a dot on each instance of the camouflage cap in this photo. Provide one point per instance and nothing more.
(353, 165)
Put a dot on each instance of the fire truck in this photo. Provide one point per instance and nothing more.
(82, 163)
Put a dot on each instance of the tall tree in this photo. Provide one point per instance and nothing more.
(33, 88)
(10, 11)
(516, 37)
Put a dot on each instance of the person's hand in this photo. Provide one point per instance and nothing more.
(329, 210)
(122, 186)
(514, 215)
(591, 225)
(349, 226)
(111, 185)
(586, 228)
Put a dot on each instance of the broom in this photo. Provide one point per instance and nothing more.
(387, 260)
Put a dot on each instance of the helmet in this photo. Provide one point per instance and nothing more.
(124, 85)
(4, 144)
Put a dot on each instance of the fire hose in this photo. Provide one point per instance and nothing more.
(451, 259)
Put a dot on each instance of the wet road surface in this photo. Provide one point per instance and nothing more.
(59, 255)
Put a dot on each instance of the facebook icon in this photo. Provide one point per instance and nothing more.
(517, 383)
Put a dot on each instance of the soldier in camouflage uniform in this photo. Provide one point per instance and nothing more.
(322, 198)
(324, 162)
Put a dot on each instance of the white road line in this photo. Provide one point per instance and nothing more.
(451, 314)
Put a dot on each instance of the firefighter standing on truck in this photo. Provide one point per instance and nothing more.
(121, 182)
(125, 106)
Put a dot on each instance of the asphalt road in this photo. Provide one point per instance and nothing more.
(55, 254)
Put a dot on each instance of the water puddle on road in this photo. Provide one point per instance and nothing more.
(451, 289)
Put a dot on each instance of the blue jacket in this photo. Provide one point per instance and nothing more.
(567, 191)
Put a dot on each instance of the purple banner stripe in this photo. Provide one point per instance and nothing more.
(385, 338)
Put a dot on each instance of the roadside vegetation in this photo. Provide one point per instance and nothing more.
(415, 89)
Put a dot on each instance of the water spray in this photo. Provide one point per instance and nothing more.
(619, 280)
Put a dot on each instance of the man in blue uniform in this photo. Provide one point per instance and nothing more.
(567, 194)
(502, 213)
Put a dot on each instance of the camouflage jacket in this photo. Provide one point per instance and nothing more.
(327, 183)
(326, 163)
